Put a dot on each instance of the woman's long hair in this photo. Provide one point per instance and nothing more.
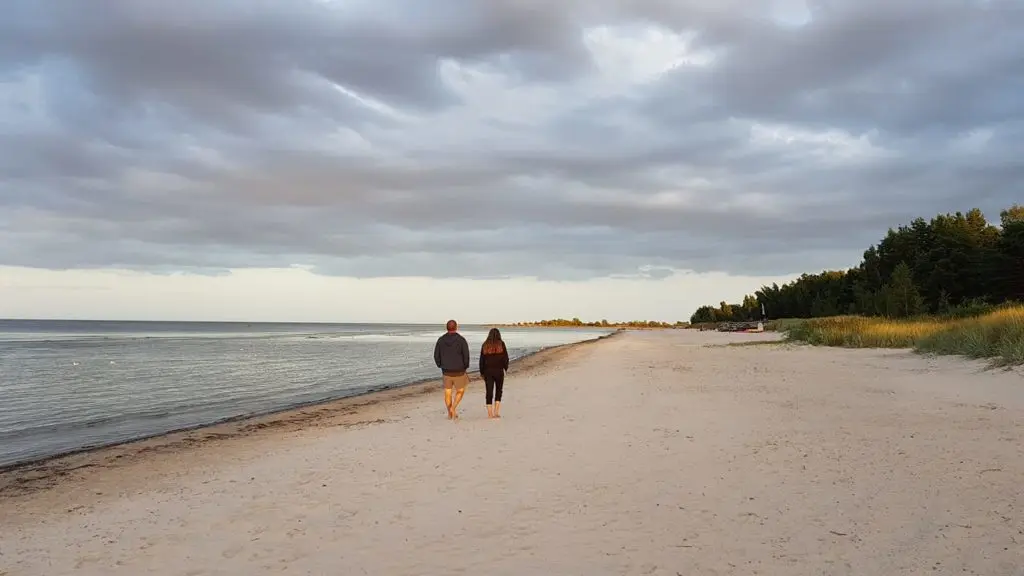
(493, 344)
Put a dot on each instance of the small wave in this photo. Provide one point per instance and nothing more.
(136, 419)
(412, 337)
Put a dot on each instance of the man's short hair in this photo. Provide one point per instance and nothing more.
(452, 326)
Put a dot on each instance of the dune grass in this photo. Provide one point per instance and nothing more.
(862, 332)
(996, 335)
(782, 324)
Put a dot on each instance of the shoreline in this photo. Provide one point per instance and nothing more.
(10, 467)
(29, 476)
(609, 327)
(796, 460)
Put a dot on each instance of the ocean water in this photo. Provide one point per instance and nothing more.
(71, 385)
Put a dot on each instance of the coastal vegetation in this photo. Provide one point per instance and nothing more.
(951, 285)
(577, 323)
(997, 335)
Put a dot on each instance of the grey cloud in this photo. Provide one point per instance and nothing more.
(222, 57)
(911, 65)
(213, 135)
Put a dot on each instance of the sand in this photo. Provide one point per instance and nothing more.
(655, 452)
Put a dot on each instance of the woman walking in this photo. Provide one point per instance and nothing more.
(493, 364)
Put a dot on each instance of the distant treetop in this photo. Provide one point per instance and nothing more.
(950, 265)
(577, 323)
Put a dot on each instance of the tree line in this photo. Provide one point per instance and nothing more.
(577, 323)
(952, 262)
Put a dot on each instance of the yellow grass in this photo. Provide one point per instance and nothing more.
(998, 335)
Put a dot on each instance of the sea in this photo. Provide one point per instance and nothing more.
(67, 386)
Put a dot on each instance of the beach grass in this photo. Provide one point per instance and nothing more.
(997, 335)
(782, 324)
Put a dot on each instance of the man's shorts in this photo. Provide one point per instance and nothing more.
(458, 382)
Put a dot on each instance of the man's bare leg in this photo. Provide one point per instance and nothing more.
(455, 404)
(448, 402)
(497, 409)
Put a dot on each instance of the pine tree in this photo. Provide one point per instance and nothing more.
(902, 297)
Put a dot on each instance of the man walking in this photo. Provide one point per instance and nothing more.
(451, 354)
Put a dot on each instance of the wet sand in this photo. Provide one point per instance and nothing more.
(654, 452)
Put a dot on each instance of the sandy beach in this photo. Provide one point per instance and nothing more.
(653, 452)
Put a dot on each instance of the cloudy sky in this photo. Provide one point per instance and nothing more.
(490, 160)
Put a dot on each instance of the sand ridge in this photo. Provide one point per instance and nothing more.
(649, 453)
